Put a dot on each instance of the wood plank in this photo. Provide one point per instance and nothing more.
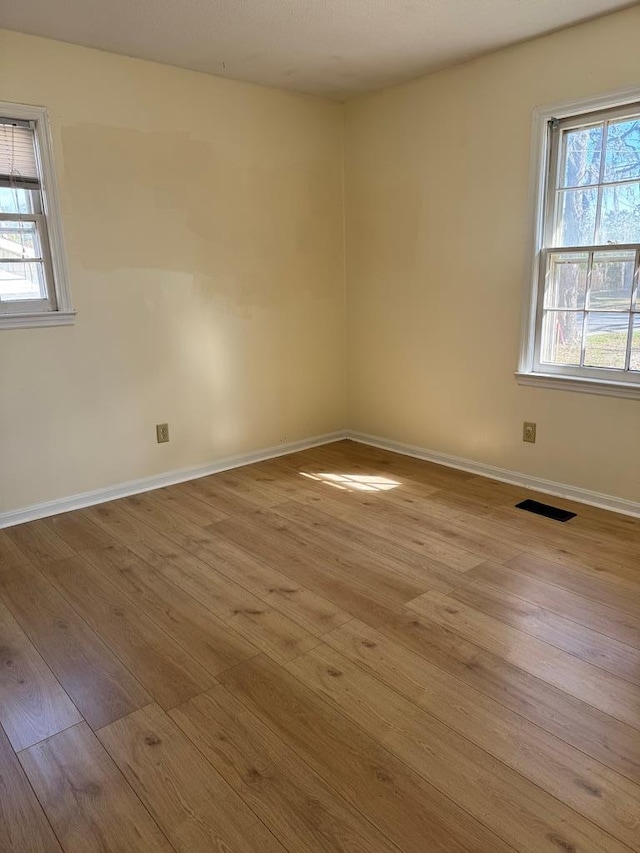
(594, 527)
(280, 479)
(312, 612)
(184, 619)
(10, 554)
(298, 538)
(588, 581)
(595, 733)
(88, 803)
(494, 492)
(590, 646)
(519, 812)
(582, 680)
(388, 577)
(169, 674)
(315, 613)
(596, 792)
(400, 526)
(365, 458)
(460, 505)
(193, 510)
(125, 521)
(77, 531)
(398, 801)
(564, 550)
(197, 810)
(240, 483)
(275, 478)
(293, 801)
(161, 517)
(33, 705)
(314, 570)
(224, 501)
(623, 552)
(38, 542)
(264, 627)
(99, 685)
(273, 633)
(338, 536)
(585, 611)
(23, 826)
(459, 728)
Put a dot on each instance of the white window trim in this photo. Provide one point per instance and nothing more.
(525, 374)
(64, 313)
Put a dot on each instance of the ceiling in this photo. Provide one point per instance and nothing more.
(336, 48)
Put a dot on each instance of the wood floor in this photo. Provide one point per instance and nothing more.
(340, 650)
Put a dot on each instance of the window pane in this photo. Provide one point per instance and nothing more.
(22, 281)
(19, 240)
(17, 201)
(623, 150)
(562, 337)
(635, 345)
(582, 150)
(566, 280)
(612, 280)
(606, 340)
(17, 151)
(620, 214)
(576, 217)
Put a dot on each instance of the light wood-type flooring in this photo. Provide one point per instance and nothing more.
(342, 649)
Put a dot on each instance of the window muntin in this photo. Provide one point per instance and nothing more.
(588, 317)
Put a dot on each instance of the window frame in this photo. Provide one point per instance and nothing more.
(58, 309)
(530, 370)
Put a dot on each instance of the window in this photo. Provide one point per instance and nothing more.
(33, 280)
(583, 327)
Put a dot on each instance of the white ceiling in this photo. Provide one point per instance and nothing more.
(336, 48)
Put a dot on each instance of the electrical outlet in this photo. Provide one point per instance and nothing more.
(529, 432)
(162, 433)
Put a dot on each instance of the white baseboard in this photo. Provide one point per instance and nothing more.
(157, 481)
(133, 487)
(537, 484)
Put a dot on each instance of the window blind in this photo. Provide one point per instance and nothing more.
(18, 166)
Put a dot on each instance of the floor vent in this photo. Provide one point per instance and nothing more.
(546, 510)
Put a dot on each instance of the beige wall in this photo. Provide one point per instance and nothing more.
(438, 228)
(204, 234)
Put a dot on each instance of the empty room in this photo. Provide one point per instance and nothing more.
(319, 426)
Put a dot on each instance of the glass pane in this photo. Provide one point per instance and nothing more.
(19, 240)
(612, 280)
(622, 160)
(22, 281)
(17, 201)
(606, 340)
(562, 337)
(582, 150)
(566, 280)
(620, 214)
(576, 217)
(635, 345)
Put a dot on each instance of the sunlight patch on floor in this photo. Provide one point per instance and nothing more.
(355, 482)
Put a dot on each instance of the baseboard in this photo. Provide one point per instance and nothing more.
(537, 484)
(134, 487)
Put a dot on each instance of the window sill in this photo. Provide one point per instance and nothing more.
(602, 387)
(32, 321)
